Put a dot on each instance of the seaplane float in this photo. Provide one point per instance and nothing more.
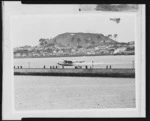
(80, 64)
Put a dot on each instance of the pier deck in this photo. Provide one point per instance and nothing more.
(96, 72)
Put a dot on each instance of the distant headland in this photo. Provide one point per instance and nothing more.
(76, 44)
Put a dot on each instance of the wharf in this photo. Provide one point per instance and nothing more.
(95, 72)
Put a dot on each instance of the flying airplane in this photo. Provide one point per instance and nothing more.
(117, 20)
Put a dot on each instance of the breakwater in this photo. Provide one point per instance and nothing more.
(95, 72)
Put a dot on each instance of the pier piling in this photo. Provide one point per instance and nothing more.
(106, 67)
(86, 67)
(133, 64)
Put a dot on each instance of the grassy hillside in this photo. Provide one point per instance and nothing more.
(82, 39)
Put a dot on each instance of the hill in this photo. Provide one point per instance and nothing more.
(75, 44)
(81, 40)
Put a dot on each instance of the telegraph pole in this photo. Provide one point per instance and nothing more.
(133, 64)
(29, 64)
(92, 64)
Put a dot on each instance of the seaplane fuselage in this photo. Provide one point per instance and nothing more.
(69, 63)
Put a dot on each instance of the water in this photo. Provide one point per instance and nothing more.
(122, 61)
(46, 92)
(50, 92)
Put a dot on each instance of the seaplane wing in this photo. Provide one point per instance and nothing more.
(83, 63)
(97, 63)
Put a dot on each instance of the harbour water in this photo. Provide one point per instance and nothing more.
(46, 93)
(54, 92)
(121, 61)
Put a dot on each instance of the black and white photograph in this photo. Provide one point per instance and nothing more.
(69, 62)
(81, 61)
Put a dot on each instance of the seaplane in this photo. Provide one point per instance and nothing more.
(77, 64)
(80, 64)
(117, 20)
(70, 63)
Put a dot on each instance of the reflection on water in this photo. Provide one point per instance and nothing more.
(32, 92)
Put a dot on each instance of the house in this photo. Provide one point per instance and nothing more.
(35, 54)
(129, 52)
(23, 55)
(17, 54)
(120, 50)
(104, 51)
(96, 48)
(131, 42)
(54, 51)
(102, 47)
(60, 52)
(73, 50)
(90, 52)
(30, 54)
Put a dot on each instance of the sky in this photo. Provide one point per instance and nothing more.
(28, 29)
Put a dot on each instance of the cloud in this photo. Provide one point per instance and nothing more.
(117, 7)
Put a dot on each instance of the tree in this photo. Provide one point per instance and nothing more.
(93, 43)
(42, 42)
(115, 36)
(55, 41)
(78, 41)
(109, 36)
(98, 37)
(72, 39)
(89, 38)
(86, 41)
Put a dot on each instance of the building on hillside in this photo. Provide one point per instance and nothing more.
(73, 50)
(54, 51)
(131, 42)
(35, 54)
(90, 52)
(60, 52)
(24, 55)
(17, 55)
(29, 49)
(120, 50)
(102, 47)
(105, 52)
(118, 45)
(132, 52)
(96, 48)
(30, 54)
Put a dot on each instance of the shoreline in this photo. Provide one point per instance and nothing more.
(67, 56)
